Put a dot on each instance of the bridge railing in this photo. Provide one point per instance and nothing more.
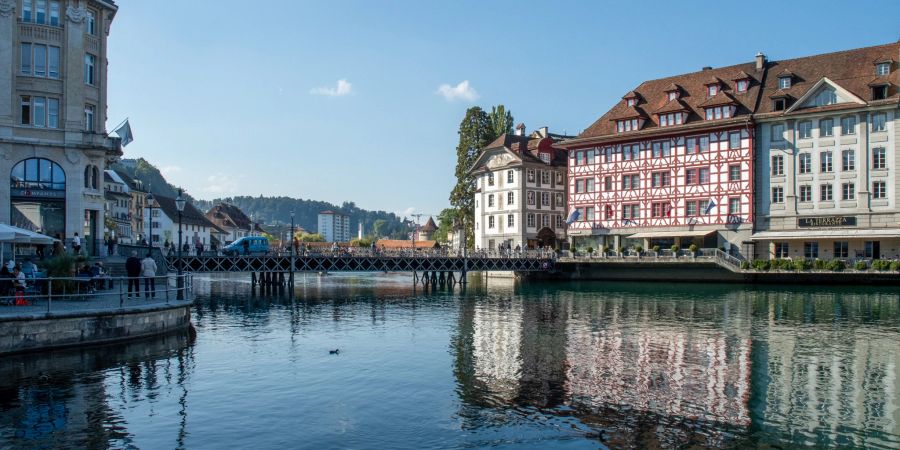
(406, 253)
(77, 294)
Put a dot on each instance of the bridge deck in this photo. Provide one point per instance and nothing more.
(363, 263)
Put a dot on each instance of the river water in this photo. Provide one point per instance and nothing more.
(500, 365)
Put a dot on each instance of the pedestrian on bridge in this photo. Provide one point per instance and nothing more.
(133, 270)
(148, 270)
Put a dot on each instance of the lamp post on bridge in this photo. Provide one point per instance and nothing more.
(179, 204)
(150, 222)
(291, 276)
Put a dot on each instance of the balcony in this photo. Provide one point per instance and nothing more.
(92, 44)
(42, 33)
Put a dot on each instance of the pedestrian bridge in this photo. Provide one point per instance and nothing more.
(366, 261)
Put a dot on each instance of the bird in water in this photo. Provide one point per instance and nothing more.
(335, 351)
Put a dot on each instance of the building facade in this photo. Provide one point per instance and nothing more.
(827, 157)
(118, 208)
(53, 137)
(671, 164)
(196, 229)
(334, 226)
(520, 192)
(233, 222)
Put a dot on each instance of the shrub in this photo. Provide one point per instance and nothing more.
(745, 265)
(881, 265)
(656, 248)
(895, 266)
(638, 248)
(835, 265)
(861, 265)
(605, 249)
(819, 264)
(761, 264)
(59, 266)
(802, 264)
(693, 248)
(675, 248)
(590, 250)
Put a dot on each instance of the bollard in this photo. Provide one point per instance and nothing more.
(49, 294)
(121, 296)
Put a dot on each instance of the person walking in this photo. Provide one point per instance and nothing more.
(133, 270)
(76, 244)
(148, 270)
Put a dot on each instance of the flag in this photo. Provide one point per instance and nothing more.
(573, 217)
(124, 133)
(712, 204)
(628, 222)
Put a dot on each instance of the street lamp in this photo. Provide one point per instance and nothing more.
(150, 220)
(291, 276)
(179, 204)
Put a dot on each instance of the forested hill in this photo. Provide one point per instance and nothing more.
(276, 210)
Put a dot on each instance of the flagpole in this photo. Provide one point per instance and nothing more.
(120, 124)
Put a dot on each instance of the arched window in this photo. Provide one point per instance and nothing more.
(38, 173)
(91, 177)
(87, 176)
(95, 179)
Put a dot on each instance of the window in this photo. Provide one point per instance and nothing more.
(734, 172)
(869, 249)
(530, 175)
(510, 220)
(826, 162)
(841, 249)
(811, 250)
(777, 165)
(510, 178)
(53, 62)
(89, 63)
(690, 176)
(703, 142)
(805, 193)
(626, 125)
(661, 209)
(826, 128)
(670, 119)
(545, 198)
(848, 160)
(545, 177)
(40, 11)
(490, 221)
(545, 220)
(778, 194)
(848, 191)
(530, 195)
(879, 122)
(879, 189)
(589, 185)
(579, 158)
(491, 201)
(782, 250)
(883, 68)
(559, 221)
(848, 125)
(490, 178)
(91, 23)
(559, 178)
(704, 175)
(52, 113)
(712, 90)
(879, 92)
(510, 198)
(559, 200)
(39, 111)
(631, 211)
(54, 13)
(742, 85)
(719, 112)
(690, 208)
(630, 101)
(778, 132)
(784, 82)
(608, 212)
(734, 206)
(589, 213)
(607, 184)
(804, 163)
(89, 118)
(804, 129)
(826, 193)
(879, 159)
(704, 207)
(734, 141)
(40, 60)
(530, 220)
(779, 104)
(25, 58)
(630, 182)
(672, 95)
(579, 186)
(26, 11)
(660, 179)
(630, 152)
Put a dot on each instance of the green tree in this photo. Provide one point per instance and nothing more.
(475, 132)
(446, 219)
(311, 237)
(501, 121)
(378, 227)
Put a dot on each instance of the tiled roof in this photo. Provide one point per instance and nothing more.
(672, 106)
(528, 148)
(722, 98)
(190, 216)
(229, 216)
(430, 225)
(852, 70)
(630, 112)
(672, 87)
(389, 244)
(742, 76)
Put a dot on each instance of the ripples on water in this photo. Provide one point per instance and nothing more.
(501, 365)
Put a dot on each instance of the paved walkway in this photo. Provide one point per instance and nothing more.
(101, 301)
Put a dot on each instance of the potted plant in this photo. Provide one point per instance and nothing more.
(605, 251)
(675, 249)
(639, 249)
(621, 251)
(693, 248)
(590, 251)
(656, 250)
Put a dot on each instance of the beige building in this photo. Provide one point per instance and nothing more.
(827, 128)
(53, 139)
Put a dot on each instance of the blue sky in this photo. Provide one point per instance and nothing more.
(245, 98)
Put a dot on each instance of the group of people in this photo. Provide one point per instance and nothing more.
(141, 268)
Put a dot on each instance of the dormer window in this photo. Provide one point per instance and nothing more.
(719, 112)
(784, 82)
(779, 104)
(712, 90)
(667, 120)
(627, 125)
(879, 92)
(630, 102)
(882, 68)
(742, 85)
(672, 95)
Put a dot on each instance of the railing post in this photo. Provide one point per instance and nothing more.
(121, 295)
(49, 294)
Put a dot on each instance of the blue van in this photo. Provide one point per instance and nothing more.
(248, 245)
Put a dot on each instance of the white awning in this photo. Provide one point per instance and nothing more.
(833, 234)
(671, 234)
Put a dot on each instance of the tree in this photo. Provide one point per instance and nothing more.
(501, 121)
(310, 237)
(378, 227)
(475, 132)
(446, 220)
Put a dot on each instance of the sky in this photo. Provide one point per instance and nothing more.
(361, 101)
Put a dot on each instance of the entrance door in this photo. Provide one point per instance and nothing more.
(90, 232)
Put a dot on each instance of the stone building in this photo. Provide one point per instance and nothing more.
(520, 191)
(53, 140)
(827, 158)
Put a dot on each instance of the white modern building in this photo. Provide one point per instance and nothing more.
(195, 227)
(520, 192)
(827, 159)
(334, 226)
(53, 139)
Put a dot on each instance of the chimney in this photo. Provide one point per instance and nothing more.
(707, 68)
(544, 131)
(760, 61)
(520, 129)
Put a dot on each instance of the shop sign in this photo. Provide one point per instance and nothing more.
(37, 193)
(830, 221)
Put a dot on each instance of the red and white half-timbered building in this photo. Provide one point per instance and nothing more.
(672, 163)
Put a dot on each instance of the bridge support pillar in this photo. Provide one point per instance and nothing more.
(253, 280)
(442, 279)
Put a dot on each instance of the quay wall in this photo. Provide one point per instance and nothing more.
(701, 271)
(32, 332)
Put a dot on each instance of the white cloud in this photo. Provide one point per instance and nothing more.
(408, 211)
(462, 91)
(342, 88)
(220, 184)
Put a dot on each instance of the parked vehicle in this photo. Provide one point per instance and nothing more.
(248, 245)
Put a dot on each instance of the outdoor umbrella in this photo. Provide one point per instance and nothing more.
(15, 235)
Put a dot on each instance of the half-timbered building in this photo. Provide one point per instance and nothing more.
(520, 192)
(671, 163)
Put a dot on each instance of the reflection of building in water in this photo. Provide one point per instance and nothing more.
(496, 344)
(850, 392)
(543, 351)
(661, 359)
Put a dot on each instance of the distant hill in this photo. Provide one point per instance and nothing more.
(276, 210)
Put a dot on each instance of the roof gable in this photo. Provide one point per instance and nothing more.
(825, 92)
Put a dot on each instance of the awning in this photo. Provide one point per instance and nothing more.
(671, 234)
(842, 234)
